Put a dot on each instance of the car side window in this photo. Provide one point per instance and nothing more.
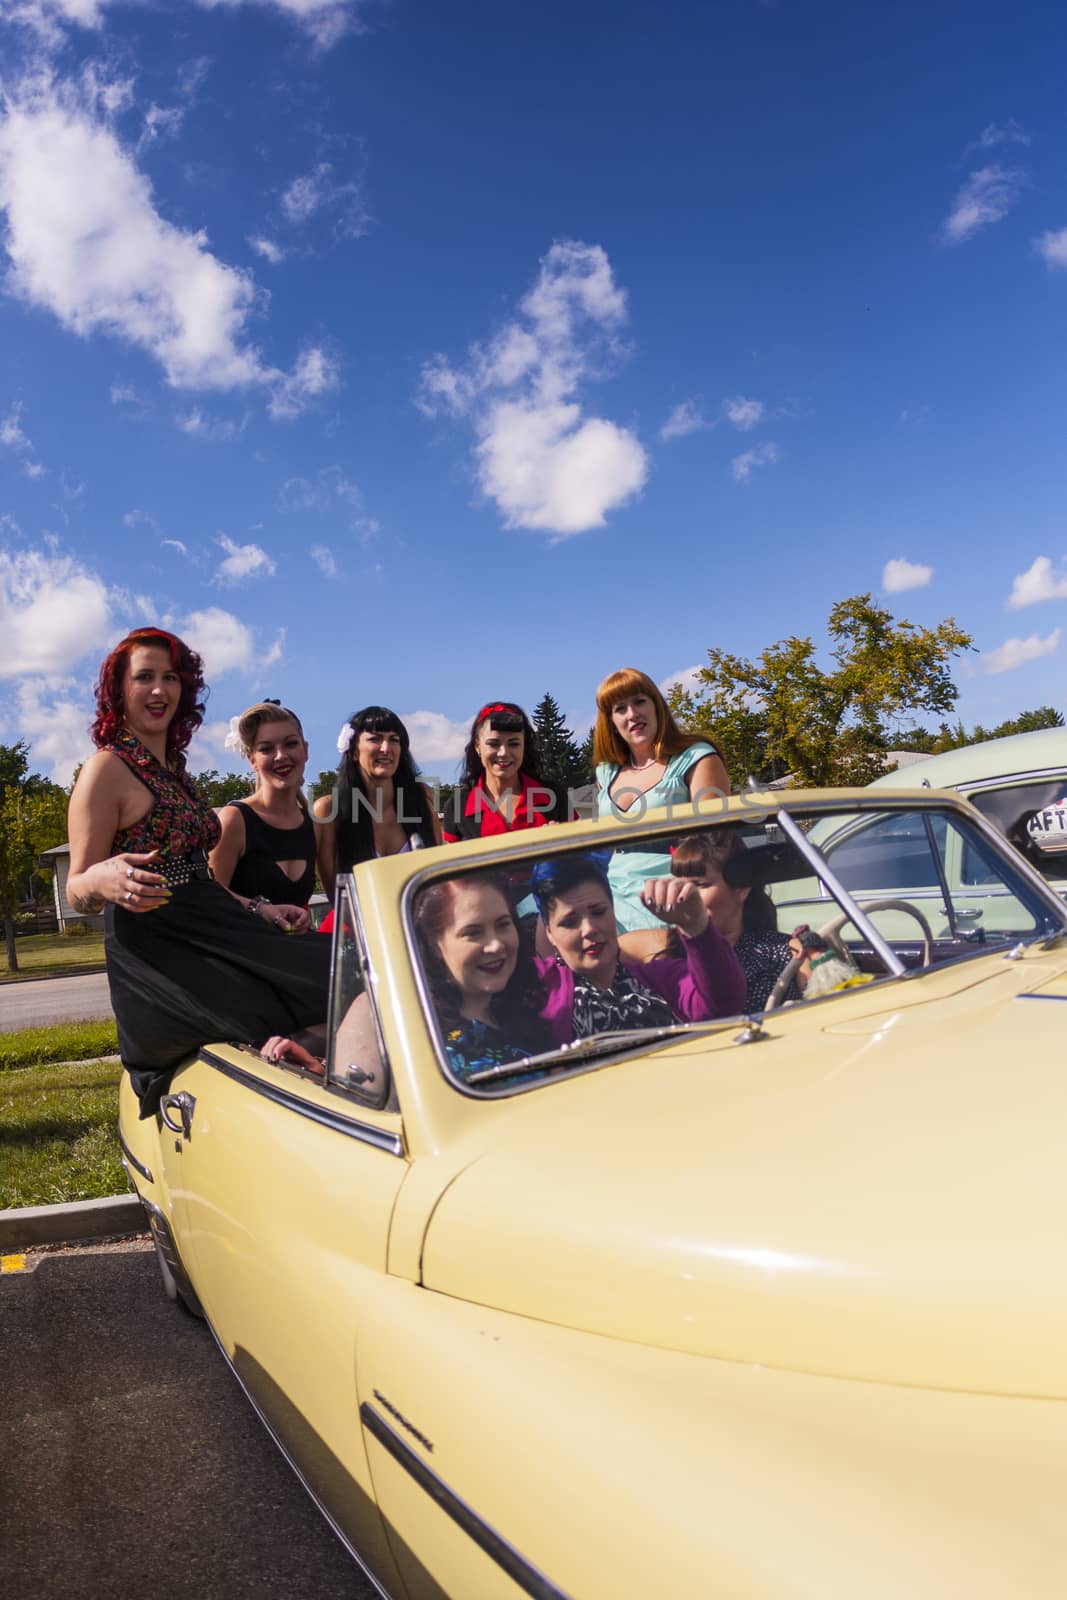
(356, 1057)
(1032, 817)
(893, 854)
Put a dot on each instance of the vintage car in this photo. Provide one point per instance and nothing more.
(1018, 783)
(761, 1306)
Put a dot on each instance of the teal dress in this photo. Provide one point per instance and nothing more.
(630, 868)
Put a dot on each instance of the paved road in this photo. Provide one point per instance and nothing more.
(38, 1002)
(130, 1462)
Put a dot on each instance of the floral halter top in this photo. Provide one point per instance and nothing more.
(180, 821)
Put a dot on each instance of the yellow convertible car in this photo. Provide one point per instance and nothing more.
(561, 1276)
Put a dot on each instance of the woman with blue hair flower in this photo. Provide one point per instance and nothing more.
(588, 987)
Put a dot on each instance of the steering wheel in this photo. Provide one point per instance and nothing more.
(832, 931)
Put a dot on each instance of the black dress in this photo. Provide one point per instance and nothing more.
(199, 968)
(258, 872)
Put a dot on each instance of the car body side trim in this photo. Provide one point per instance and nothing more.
(138, 1166)
(366, 1132)
(521, 1571)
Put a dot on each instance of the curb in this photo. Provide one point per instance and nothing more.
(23, 1226)
(53, 976)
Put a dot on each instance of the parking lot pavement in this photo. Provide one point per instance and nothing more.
(130, 1462)
(39, 1001)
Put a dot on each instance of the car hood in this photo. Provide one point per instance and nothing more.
(871, 1192)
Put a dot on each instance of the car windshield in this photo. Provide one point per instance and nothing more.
(540, 962)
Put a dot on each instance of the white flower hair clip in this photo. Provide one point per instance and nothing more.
(344, 738)
(233, 740)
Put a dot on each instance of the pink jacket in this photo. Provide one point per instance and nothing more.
(706, 983)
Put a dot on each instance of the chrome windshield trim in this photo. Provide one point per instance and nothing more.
(797, 836)
(522, 1572)
(325, 1115)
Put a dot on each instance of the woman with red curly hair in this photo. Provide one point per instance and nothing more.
(186, 961)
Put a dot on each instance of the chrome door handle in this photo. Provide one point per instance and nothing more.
(184, 1104)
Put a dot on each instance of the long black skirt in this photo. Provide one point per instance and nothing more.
(201, 970)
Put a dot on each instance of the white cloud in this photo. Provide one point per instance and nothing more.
(200, 425)
(744, 414)
(276, 651)
(176, 544)
(12, 434)
(434, 737)
(899, 575)
(323, 558)
(56, 725)
(315, 374)
(52, 613)
(762, 455)
(686, 679)
(684, 419)
(330, 491)
(85, 242)
(986, 197)
(162, 122)
(33, 469)
(1052, 248)
(1039, 582)
(1017, 652)
(544, 465)
(242, 561)
(267, 249)
(124, 394)
(325, 21)
(225, 643)
(1010, 132)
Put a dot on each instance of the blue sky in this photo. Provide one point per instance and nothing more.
(426, 353)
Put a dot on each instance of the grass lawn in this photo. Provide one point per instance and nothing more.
(59, 1041)
(43, 955)
(57, 1133)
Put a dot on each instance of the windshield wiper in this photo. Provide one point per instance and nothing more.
(597, 1044)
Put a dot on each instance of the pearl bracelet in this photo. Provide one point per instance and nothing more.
(259, 900)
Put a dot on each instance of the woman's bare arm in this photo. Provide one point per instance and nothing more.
(94, 817)
(231, 846)
(325, 843)
(708, 779)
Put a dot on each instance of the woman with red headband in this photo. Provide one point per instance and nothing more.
(187, 961)
(500, 788)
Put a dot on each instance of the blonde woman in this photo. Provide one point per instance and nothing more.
(266, 855)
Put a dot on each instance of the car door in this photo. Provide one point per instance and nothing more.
(283, 1185)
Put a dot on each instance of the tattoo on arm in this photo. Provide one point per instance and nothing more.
(87, 905)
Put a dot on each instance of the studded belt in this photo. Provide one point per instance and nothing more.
(177, 870)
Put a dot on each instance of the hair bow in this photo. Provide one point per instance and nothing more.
(233, 740)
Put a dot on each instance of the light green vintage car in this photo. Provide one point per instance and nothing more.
(765, 1307)
(1019, 784)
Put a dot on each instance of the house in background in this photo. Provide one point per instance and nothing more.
(59, 860)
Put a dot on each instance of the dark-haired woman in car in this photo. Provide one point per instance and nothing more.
(500, 788)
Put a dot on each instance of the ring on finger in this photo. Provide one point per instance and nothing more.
(129, 872)
(129, 894)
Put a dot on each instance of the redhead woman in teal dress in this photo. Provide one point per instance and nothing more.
(643, 761)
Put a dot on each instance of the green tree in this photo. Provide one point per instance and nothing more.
(785, 715)
(33, 817)
(219, 788)
(562, 767)
(323, 784)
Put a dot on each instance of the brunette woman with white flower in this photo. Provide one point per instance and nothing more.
(378, 806)
(266, 854)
